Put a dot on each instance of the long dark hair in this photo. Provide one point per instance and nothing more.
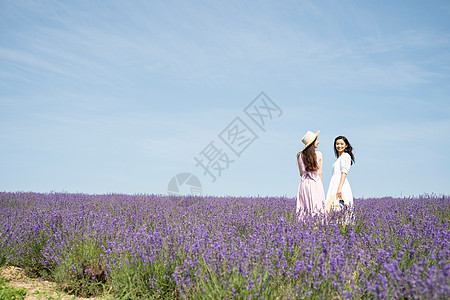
(309, 157)
(347, 149)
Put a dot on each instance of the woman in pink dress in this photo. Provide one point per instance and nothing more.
(310, 196)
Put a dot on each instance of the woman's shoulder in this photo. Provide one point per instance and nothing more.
(346, 155)
(319, 154)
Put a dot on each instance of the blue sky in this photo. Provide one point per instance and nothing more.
(120, 96)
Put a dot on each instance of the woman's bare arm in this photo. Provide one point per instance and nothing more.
(320, 166)
(341, 183)
(298, 163)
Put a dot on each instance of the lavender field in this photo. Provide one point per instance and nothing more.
(153, 246)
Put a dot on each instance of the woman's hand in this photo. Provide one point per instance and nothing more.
(339, 195)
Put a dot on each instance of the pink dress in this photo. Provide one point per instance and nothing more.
(310, 196)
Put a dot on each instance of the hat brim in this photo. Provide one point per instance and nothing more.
(333, 204)
(312, 140)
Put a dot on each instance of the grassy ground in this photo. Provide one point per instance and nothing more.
(15, 284)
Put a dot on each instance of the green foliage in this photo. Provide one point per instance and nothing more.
(83, 272)
(8, 293)
(135, 279)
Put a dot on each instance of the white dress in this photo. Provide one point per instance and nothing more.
(341, 165)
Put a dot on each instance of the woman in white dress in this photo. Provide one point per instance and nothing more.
(339, 185)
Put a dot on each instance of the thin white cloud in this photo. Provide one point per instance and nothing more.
(188, 42)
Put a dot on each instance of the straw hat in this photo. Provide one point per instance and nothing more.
(333, 204)
(309, 137)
